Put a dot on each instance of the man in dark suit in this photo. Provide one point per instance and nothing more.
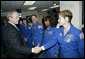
(11, 42)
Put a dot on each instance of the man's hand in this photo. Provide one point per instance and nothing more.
(37, 49)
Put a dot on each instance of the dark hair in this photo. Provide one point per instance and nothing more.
(66, 13)
(51, 20)
(30, 19)
(34, 15)
(43, 23)
(25, 19)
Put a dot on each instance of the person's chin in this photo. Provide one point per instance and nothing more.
(60, 24)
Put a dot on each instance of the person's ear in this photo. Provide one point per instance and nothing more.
(10, 17)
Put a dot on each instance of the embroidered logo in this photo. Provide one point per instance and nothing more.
(68, 37)
(39, 26)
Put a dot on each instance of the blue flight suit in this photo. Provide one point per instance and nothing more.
(26, 32)
(50, 34)
(71, 45)
(37, 32)
(20, 29)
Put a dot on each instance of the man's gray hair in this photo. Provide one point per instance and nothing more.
(9, 14)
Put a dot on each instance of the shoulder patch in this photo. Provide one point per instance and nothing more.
(81, 35)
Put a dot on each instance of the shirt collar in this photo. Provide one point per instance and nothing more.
(14, 25)
(69, 29)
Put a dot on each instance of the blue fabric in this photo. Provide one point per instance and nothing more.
(50, 34)
(71, 46)
(25, 31)
(37, 32)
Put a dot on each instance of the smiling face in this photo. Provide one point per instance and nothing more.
(14, 18)
(24, 21)
(34, 19)
(63, 20)
(47, 23)
(65, 16)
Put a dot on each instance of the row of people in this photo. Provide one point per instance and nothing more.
(64, 42)
(63, 39)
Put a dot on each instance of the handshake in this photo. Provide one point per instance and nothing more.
(36, 50)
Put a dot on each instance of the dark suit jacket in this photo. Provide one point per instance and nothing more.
(12, 44)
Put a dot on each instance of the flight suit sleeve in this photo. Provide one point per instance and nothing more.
(40, 32)
(81, 44)
(52, 42)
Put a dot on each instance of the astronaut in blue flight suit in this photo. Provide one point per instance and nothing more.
(71, 45)
(50, 34)
(37, 31)
(25, 31)
(70, 39)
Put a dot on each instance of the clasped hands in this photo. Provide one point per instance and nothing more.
(37, 50)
